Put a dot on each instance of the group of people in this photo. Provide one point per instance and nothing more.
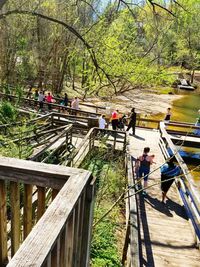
(119, 122)
(169, 171)
(41, 97)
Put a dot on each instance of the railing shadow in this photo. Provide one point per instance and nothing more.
(147, 239)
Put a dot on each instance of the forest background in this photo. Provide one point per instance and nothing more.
(97, 47)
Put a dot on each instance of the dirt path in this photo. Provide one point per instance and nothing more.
(144, 102)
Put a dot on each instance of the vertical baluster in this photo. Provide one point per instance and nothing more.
(27, 209)
(3, 225)
(70, 239)
(86, 233)
(41, 202)
(63, 248)
(55, 254)
(15, 217)
(76, 232)
(80, 230)
(54, 193)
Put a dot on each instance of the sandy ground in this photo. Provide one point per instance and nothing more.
(145, 103)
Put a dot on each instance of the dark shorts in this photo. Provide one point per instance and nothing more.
(144, 172)
(165, 185)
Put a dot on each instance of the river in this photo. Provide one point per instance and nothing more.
(186, 109)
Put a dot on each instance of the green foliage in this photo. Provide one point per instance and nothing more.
(104, 245)
(131, 45)
(8, 113)
(108, 168)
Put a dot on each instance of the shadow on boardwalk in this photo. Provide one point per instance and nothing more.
(166, 208)
(146, 240)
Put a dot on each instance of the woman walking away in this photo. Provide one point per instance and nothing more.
(132, 122)
(168, 115)
(143, 166)
(168, 171)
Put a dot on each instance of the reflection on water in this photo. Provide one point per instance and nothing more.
(185, 109)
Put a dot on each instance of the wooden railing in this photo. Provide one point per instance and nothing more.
(187, 188)
(131, 254)
(27, 102)
(61, 237)
(92, 139)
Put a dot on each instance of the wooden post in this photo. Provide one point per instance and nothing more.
(15, 217)
(3, 225)
(70, 239)
(41, 202)
(87, 226)
(27, 209)
(55, 254)
(80, 233)
(63, 248)
(76, 234)
(54, 193)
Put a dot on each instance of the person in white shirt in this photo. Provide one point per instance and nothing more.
(75, 103)
(102, 122)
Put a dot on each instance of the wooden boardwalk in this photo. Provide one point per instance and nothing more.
(166, 235)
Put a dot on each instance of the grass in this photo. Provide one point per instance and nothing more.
(109, 172)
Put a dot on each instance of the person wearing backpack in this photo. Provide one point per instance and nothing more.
(142, 167)
(168, 173)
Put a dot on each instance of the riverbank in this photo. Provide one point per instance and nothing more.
(145, 102)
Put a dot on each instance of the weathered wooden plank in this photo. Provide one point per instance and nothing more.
(76, 234)
(87, 227)
(15, 217)
(80, 233)
(3, 225)
(70, 240)
(35, 249)
(41, 174)
(54, 193)
(158, 245)
(27, 209)
(41, 202)
(63, 248)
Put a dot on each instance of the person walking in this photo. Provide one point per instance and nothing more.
(102, 122)
(142, 167)
(168, 115)
(49, 100)
(65, 100)
(132, 121)
(168, 172)
(114, 119)
(75, 105)
(41, 100)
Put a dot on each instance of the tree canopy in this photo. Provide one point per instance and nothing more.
(96, 48)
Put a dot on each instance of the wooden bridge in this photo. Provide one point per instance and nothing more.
(161, 234)
(157, 234)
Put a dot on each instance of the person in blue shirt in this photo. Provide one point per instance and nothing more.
(168, 173)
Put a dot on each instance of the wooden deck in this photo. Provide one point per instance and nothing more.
(166, 235)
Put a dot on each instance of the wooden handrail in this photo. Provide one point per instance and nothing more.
(51, 235)
(132, 243)
(59, 107)
(187, 174)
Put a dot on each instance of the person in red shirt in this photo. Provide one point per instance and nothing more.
(49, 99)
(114, 119)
